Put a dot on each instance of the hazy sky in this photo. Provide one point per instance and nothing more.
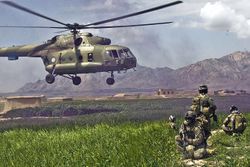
(202, 29)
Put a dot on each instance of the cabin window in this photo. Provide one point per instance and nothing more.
(90, 57)
(53, 60)
(108, 53)
(114, 53)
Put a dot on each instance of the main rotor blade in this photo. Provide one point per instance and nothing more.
(124, 26)
(33, 27)
(14, 5)
(59, 32)
(134, 14)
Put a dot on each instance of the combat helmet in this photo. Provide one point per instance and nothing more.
(172, 118)
(233, 108)
(203, 89)
(190, 117)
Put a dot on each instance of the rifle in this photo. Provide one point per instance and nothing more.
(214, 116)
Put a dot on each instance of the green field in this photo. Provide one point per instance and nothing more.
(117, 133)
(146, 144)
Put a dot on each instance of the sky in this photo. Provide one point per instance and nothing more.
(202, 29)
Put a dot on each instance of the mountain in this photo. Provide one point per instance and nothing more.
(149, 78)
(229, 72)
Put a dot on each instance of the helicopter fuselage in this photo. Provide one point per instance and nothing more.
(68, 55)
(89, 59)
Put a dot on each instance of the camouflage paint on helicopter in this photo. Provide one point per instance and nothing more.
(77, 53)
(88, 54)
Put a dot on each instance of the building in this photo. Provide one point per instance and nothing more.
(228, 92)
(165, 92)
(18, 102)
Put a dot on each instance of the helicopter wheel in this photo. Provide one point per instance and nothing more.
(110, 81)
(76, 80)
(50, 79)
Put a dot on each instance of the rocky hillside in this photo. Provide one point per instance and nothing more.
(229, 72)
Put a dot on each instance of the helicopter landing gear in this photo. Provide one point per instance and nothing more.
(111, 80)
(50, 79)
(76, 80)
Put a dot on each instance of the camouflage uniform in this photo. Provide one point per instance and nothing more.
(191, 140)
(204, 107)
(235, 123)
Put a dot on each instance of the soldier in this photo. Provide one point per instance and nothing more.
(235, 123)
(191, 140)
(172, 121)
(204, 107)
(205, 104)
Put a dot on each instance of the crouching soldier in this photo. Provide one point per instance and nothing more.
(191, 140)
(235, 123)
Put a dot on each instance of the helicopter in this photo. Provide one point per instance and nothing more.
(78, 52)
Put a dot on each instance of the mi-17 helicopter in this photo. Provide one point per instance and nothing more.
(76, 52)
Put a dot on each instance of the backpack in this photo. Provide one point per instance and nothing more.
(238, 122)
(203, 104)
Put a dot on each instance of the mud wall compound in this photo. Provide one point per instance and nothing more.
(17, 102)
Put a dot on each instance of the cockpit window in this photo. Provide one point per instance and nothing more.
(112, 53)
(122, 53)
(128, 53)
(53, 40)
(88, 34)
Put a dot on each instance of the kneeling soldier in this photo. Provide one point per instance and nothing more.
(191, 140)
(235, 123)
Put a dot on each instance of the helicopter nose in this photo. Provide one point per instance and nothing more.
(130, 62)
